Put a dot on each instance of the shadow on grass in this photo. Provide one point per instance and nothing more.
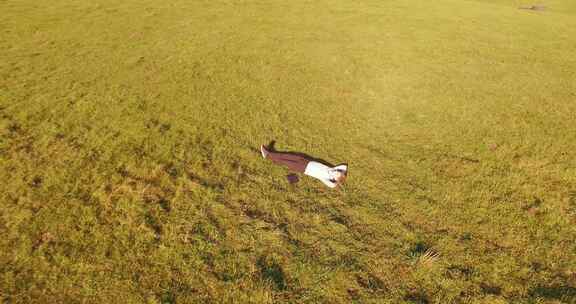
(168, 298)
(554, 292)
(418, 249)
(417, 298)
(490, 289)
(271, 271)
(371, 283)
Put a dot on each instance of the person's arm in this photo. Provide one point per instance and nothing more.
(330, 183)
(343, 168)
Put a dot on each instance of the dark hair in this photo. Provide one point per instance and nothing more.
(340, 179)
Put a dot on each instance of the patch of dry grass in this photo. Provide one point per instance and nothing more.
(129, 170)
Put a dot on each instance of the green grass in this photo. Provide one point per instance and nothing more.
(129, 171)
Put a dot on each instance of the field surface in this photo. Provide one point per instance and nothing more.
(129, 170)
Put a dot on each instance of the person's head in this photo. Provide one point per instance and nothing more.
(339, 177)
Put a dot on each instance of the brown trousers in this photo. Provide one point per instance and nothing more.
(295, 163)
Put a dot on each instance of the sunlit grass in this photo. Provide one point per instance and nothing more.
(130, 173)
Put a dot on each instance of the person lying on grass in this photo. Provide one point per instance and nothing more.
(299, 163)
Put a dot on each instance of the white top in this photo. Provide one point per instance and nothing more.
(324, 173)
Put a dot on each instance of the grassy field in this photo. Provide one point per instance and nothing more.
(129, 171)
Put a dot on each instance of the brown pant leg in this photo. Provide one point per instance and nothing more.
(295, 163)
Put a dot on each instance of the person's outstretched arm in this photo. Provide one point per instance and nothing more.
(343, 168)
(329, 183)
